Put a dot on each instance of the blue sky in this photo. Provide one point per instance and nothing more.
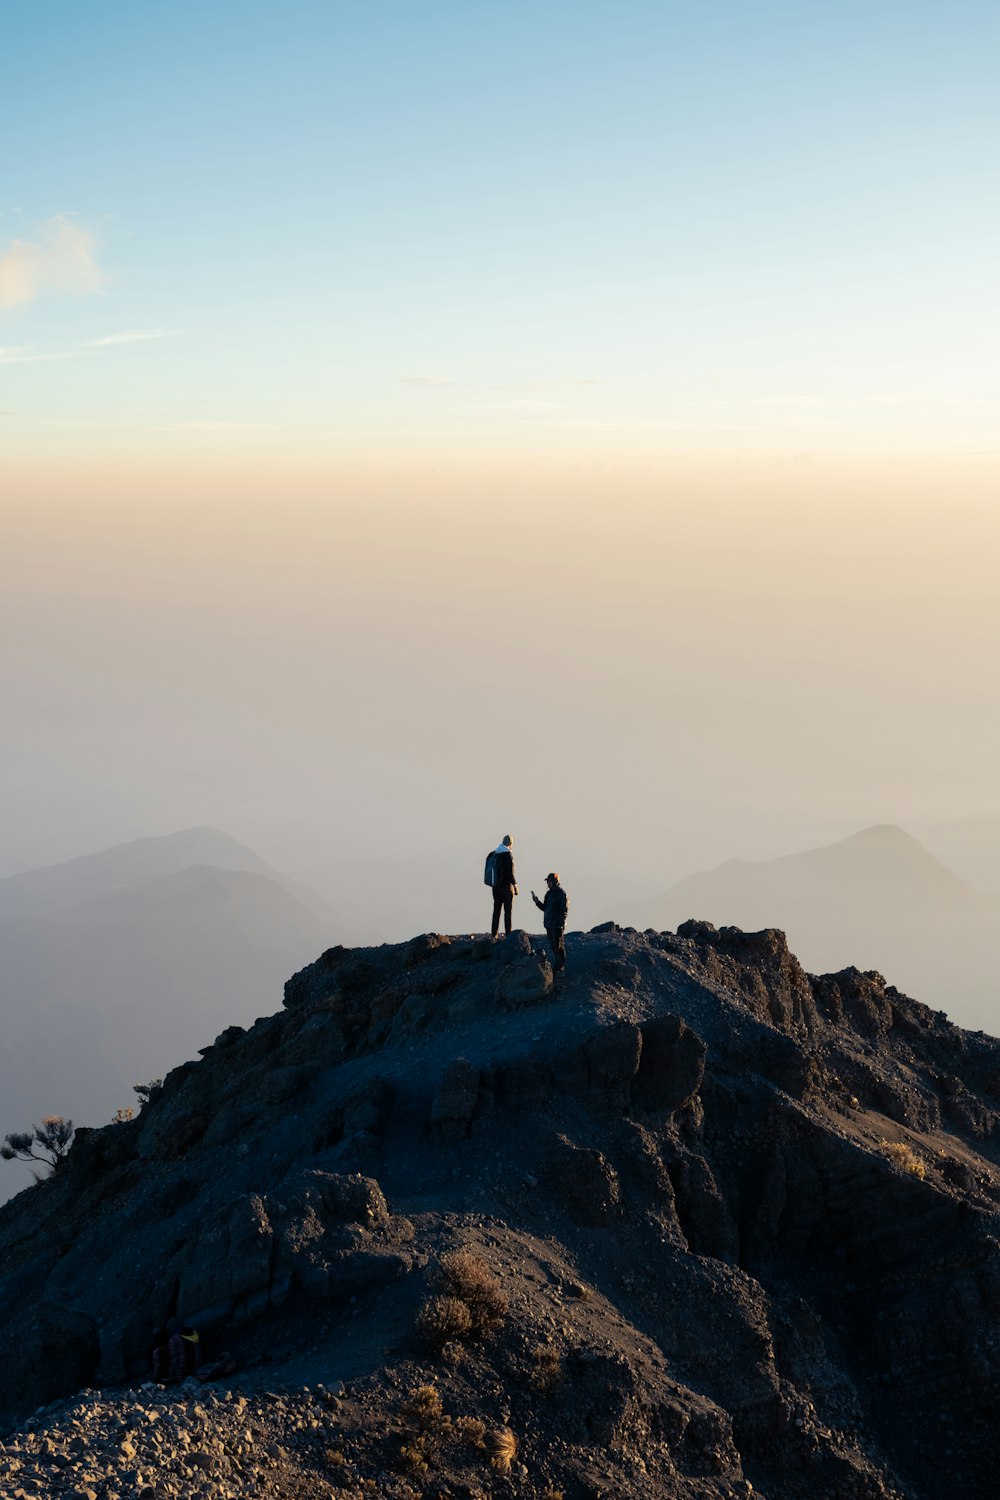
(466, 228)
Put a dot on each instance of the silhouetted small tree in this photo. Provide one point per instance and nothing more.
(147, 1091)
(52, 1139)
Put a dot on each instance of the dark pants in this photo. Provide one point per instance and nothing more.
(503, 897)
(555, 936)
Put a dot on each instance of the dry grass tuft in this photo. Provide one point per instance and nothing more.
(501, 1445)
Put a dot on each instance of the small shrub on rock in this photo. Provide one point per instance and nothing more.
(467, 1277)
(423, 1406)
(414, 1456)
(429, 1428)
(147, 1091)
(547, 1370)
(473, 1432)
(903, 1157)
(442, 1319)
(453, 1354)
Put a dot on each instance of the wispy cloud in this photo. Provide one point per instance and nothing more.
(23, 355)
(129, 336)
(224, 426)
(61, 260)
(541, 385)
(523, 406)
(425, 380)
(624, 424)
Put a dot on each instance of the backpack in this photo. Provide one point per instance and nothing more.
(489, 874)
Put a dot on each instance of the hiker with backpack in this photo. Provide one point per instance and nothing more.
(179, 1355)
(554, 909)
(500, 876)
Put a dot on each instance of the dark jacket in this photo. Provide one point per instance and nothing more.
(503, 871)
(554, 909)
(179, 1357)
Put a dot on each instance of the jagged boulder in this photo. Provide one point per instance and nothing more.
(524, 981)
(317, 979)
(581, 1181)
(671, 1065)
(603, 1067)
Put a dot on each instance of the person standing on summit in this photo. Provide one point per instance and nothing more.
(554, 909)
(504, 884)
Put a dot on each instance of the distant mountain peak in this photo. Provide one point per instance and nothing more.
(890, 847)
(886, 835)
(60, 887)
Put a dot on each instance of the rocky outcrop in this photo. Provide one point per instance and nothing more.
(745, 1218)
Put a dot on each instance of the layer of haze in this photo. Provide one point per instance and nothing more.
(369, 679)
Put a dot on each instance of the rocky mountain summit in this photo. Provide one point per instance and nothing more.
(693, 1223)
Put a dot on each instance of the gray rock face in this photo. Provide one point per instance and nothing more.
(744, 1220)
(455, 1101)
(671, 1065)
(581, 1181)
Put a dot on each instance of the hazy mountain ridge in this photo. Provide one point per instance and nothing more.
(115, 966)
(878, 897)
(744, 1218)
(969, 845)
(881, 855)
(73, 882)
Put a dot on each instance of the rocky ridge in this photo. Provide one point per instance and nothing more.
(744, 1220)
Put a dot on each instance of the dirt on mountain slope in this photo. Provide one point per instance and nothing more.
(736, 1226)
